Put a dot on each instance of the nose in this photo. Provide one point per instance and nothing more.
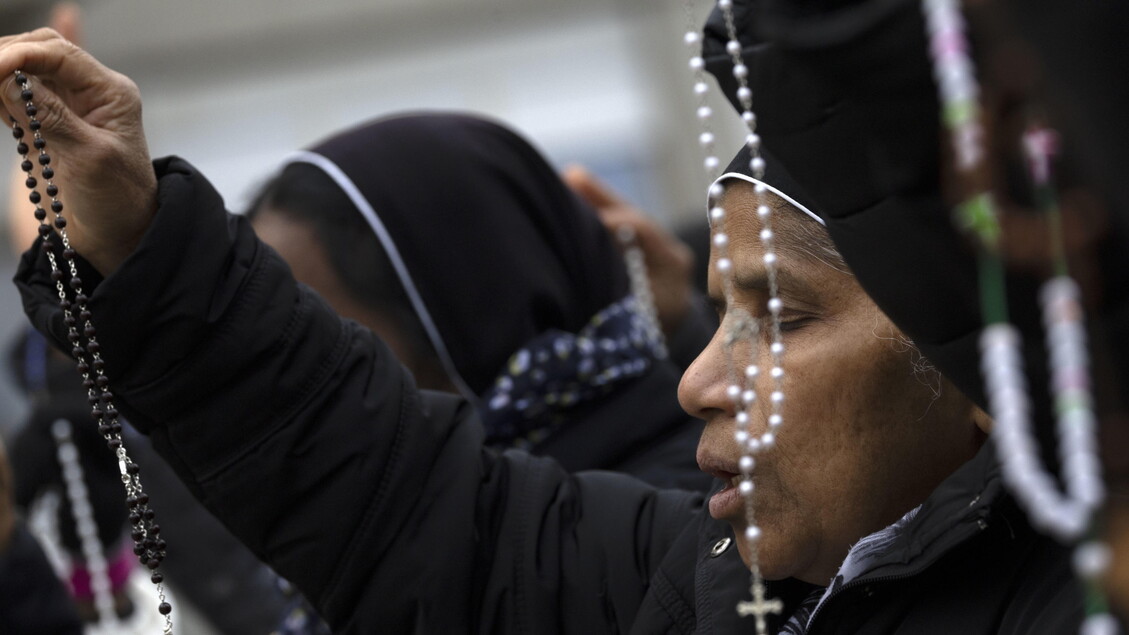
(702, 391)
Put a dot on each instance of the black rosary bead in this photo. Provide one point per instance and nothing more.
(31, 182)
(22, 79)
(34, 197)
(57, 276)
(26, 165)
(60, 222)
(40, 214)
(107, 396)
(48, 245)
(88, 330)
(143, 557)
(132, 468)
(161, 544)
(111, 412)
(76, 283)
(26, 95)
(103, 428)
(153, 564)
(39, 143)
(138, 535)
(114, 444)
(34, 124)
(52, 189)
(99, 365)
(73, 337)
(149, 515)
(143, 498)
(44, 230)
(56, 206)
(157, 578)
(115, 427)
(134, 518)
(138, 550)
(81, 299)
(97, 414)
(83, 367)
(21, 148)
(48, 173)
(86, 383)
(44, 159)
(165, 608)
(65, 304)
(101, 380)
(31, 110)
(92, 400)
(92, 348)
(78, 353)
(18, 132)
(84, 315)
(132, 501)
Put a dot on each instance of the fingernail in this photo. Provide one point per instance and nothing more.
(12, 91)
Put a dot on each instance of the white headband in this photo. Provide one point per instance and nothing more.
(354, 193)
(749, 179)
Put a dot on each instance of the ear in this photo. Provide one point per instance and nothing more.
(982, 420)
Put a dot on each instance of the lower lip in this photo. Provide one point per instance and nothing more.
(725, 503)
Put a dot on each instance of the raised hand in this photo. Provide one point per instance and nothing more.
(91, 118)
(669, 262)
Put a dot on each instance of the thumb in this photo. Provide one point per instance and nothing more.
(591, 189)
(66, 18)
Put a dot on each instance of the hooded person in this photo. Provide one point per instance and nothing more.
(880, 507)
(452, 238)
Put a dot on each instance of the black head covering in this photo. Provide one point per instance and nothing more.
(494, 246)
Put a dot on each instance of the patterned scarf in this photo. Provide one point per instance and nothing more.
(556, 371)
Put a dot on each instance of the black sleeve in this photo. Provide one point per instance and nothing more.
(302, 433)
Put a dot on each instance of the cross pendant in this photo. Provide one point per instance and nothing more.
(759, 607)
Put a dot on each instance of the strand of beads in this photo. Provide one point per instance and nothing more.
(148, 545)
(83, 514)
(1067, 516)
(742, 327)
(641, 288)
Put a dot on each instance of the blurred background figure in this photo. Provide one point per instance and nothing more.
(452, 238)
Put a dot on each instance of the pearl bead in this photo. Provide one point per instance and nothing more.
(697, 63)
(777, 372)
(1100, 624)
(741, 437)
(733, 391)
(733, 47)
(751, 371)
(740, 71)
(764, 211)
(766, 234)
(753, 141)
(717, 214)
(742, 419)
(775, 420)
(746, 464)
(1091, 559)
(746, 488)
(768, 440)
(711, 163)
(725, 5)
(754, 445)
(775, 306)
(701, 88)
(706, 138)
(777, 396)
(752, 533)
(720, 239)
(757, 165)
(777, 348)
(748, 397)
(749, 118)
(692, 37)
(744, 94)
(724, 265)
(716, 190)
(705, 112)
(770, 258)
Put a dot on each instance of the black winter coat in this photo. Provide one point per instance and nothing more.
(303, 434)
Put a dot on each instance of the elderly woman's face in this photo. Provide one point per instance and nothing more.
(865, 438)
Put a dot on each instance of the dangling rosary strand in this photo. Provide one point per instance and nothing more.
(148, 545)
(1068, 515)
(742, 326)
